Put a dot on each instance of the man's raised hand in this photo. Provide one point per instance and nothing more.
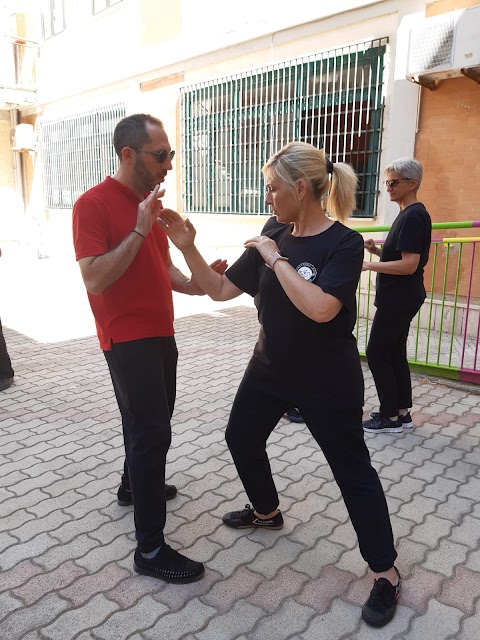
(148, 211)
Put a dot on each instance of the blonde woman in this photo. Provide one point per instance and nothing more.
(305, 275)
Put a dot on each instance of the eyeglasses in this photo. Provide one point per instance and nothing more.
(161, 156)
(393, 183)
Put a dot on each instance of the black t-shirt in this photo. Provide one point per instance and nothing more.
(411, 232)
(296, 356)
(272, 223)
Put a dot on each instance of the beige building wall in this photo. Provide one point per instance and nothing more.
(143, 52)
(19, 20)
(224, 232)
(7, 175)
(9, 200)
(438, 7)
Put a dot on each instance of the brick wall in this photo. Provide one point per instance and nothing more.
(447, 144)
(448, 141)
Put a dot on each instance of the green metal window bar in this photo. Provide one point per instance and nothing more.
(231, 126)
(78, 153)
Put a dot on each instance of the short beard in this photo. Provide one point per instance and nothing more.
(142, 176)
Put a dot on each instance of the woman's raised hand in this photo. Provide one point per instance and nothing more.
(265, 246)
(180, 230)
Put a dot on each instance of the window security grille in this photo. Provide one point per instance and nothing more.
(231, 126)
(78, 154)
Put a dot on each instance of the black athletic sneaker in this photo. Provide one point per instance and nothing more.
(169, 565)
(294, 415)
(124, 495)
(406, 420)
(246, 518)
(381, 605)
(380, 424)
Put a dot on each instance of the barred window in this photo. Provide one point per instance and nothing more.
(231, 126)
(78, 153)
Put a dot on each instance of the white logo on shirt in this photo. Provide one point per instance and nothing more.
(307, 271)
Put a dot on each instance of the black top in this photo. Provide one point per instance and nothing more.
(272, 223)
(294, 353)
(411, 232)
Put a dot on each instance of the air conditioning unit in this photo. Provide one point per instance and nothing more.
(24, 137)
(445, 46)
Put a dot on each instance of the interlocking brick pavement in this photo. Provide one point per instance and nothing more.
(66, 546)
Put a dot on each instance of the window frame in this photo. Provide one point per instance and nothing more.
(51, 18)
(270, 106)
(108, 5)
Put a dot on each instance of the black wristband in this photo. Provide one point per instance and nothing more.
(140, 234)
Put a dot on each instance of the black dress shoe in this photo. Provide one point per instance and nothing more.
(169, 565)
(125, 499)
(5, 383)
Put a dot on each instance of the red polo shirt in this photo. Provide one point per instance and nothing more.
(139, 304)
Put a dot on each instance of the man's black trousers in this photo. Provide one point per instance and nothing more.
(144, 379)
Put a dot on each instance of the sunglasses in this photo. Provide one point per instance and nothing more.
(393, 183)
(161, 156)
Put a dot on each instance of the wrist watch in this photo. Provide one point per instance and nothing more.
(274, 257)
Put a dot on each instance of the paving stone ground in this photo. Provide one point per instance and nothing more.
(66, 546)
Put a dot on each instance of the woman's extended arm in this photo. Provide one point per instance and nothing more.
(309, 298)
(404, 267)
(182, 233)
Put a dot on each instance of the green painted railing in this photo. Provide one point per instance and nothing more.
(445, 335)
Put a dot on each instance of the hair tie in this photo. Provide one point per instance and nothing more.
(329, 166)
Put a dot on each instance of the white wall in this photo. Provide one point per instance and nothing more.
(95, 51)
(101, 60)
(402, 103)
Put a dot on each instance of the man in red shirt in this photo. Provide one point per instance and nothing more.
(125, 263)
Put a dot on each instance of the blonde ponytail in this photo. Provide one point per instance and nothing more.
(341, 199)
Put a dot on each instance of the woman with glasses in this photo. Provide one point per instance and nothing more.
(304, 276)
(400, 293)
